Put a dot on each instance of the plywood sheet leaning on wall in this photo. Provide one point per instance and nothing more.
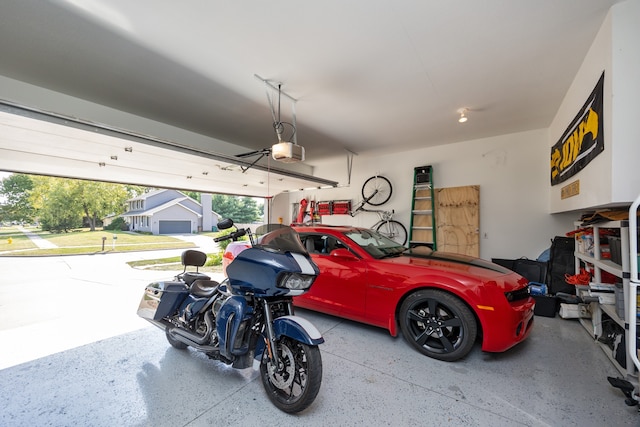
(458, 219)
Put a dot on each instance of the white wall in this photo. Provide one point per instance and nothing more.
(610, 178)
(512, 171)
(626, 96)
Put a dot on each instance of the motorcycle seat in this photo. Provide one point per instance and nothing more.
(203, 288)
(191, 276)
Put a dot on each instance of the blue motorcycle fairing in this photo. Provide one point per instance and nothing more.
(297, 328)
(294, 327)
(233, 312)
(255, 271)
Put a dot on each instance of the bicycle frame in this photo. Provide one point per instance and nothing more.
(386, 225)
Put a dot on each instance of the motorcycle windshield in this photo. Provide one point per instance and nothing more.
(282, 239)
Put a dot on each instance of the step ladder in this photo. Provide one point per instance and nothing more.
(423, 221)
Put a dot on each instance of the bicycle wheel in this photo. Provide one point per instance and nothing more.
(393, 230)
(376, 190)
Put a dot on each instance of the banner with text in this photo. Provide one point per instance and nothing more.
(582, 141)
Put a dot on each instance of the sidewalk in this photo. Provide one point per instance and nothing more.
(37, 240)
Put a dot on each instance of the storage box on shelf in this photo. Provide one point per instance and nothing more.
(334, 207)
(615, 248)
(575, 311)
(325, 208)
(341, 207)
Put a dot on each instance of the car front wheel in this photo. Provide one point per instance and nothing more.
(438, 324)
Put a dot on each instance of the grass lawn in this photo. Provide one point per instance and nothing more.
(15, 243)
(11, 239)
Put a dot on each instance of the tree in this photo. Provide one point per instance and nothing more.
(56, 204)
(193, 194)
(99, 199)
(240, 209)
(62, 203)
(16, 190)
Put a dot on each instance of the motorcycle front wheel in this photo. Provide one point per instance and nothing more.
(294, 386)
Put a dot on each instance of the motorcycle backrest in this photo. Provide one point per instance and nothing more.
(193, 258)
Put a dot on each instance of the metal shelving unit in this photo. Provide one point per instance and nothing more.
(598, 310)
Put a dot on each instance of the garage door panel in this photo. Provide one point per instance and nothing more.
(174, 227)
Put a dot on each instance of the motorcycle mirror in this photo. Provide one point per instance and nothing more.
(225, 223)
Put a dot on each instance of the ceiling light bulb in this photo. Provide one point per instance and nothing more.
(463, 117)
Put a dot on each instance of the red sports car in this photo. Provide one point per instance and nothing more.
(441, 301)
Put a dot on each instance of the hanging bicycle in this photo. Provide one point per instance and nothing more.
(375, 192)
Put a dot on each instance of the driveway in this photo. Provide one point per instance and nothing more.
(51, 304)
(204, 243)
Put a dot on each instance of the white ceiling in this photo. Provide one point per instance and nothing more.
(369, 76)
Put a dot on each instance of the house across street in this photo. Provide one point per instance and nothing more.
(170, 212)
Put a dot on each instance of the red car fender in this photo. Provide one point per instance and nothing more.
(498, 320)
(469, 296)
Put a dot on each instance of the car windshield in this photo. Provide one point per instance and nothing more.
(282, 239)
(377, 245)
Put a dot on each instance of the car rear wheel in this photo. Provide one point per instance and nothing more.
(438, 324)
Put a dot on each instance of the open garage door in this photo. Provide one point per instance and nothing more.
(175, 227)
(44, 143)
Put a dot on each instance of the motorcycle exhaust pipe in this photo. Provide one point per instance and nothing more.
(191, 338)
(203, 348)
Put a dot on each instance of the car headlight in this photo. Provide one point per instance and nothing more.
(296, 281)
(517, 295)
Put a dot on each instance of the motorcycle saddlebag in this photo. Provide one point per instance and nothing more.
(161, 299)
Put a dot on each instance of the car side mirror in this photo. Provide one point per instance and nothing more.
(344, 254)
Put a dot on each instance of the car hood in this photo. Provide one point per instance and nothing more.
(460, 265)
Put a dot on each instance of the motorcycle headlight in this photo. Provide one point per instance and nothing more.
(296, 281)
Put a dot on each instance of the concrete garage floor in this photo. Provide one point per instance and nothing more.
(74, 353)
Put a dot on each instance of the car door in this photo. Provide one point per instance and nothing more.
(340, 287)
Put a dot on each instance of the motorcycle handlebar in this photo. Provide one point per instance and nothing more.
(235, 235)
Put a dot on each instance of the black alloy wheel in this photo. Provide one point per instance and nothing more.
(438, 324)
(295, 385)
